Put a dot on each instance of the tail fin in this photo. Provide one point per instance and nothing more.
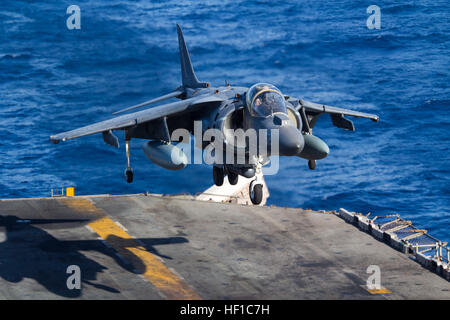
(187, 71)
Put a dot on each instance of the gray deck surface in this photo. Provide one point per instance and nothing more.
(220, 251)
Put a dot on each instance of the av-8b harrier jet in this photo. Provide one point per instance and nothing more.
(226, 109)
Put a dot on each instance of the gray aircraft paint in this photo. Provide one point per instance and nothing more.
(222, 108)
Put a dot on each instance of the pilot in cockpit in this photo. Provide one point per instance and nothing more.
(264, 100)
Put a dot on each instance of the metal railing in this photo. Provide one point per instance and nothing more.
(57, 192)
(62, 192)
(400, 234)
(417, 239)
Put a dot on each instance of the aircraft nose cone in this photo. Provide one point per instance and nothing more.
(291, 141)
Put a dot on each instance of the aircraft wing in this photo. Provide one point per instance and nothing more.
(132, 119)
(311, 107)
(313, 110)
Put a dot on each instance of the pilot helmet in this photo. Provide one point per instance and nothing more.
(264, 98)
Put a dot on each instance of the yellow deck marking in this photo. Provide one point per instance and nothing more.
(155, 271)
(70, 192)
(379, 291)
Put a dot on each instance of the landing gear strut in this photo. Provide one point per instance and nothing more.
(128, 170)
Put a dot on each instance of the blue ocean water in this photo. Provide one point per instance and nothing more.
(53, 79)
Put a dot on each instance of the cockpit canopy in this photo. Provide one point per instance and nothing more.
(264, 99)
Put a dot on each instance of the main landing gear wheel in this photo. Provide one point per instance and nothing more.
(218, 175)
(312, 164)
(256, 192)
(129, 175)
(233, 178)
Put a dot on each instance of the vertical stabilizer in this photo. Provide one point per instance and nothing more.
(187, 71)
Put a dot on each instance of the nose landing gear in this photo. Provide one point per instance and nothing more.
(255, 188)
